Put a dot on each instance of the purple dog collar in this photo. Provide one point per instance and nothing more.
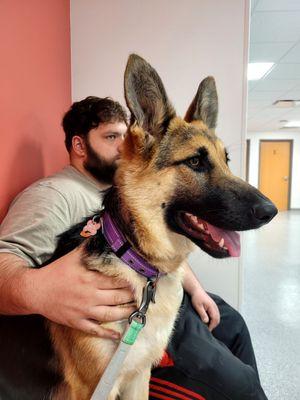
(123, 250)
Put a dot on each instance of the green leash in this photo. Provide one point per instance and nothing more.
(137, 321)
(132, 332)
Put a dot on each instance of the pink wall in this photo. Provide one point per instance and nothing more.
(35, 90)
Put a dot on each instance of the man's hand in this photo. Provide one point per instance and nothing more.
(202, 302)
(67, 293)
(205, 307)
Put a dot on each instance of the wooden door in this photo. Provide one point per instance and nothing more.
(274, 171)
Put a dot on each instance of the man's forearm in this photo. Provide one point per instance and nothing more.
(15, 277)
(190, 281)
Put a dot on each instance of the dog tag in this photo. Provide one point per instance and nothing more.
(90, 228)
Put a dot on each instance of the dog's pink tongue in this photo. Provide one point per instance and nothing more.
(231, 239)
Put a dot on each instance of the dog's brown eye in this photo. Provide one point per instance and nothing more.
(194, 162)
(199, 163)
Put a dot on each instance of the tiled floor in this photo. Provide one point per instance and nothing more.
(271, 303)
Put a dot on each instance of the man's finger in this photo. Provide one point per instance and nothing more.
(108, 282)
(93, 328)
(212, 325)
(203, 315)
(111, 313)
(214, 318)
(114, 297)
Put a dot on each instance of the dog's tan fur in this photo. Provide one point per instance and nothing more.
(84, 358)
(147, 179)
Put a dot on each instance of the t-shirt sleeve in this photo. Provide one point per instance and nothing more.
(32, 224)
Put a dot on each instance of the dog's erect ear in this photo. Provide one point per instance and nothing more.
(204, 107)
(146, 97)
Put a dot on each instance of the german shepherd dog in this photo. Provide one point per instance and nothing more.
(173, 190)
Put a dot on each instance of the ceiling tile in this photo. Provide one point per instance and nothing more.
(276, 85)
(272, 125)
(270, 113)
(277, 5)
(293, 56)
(252, 112)
(253, 103)
(285, 71)
(251, 85)
(291, 95)
(253, 126)
(262, 127)
(293, 114)
(275, 37)
(253, 5)
(270, 96)
(275, 26)
(268, 52)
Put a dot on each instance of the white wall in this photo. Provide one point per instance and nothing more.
(255, 138)
(185, 42)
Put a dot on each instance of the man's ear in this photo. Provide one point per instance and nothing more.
(146, 97)
(204, 107)
(78, 146)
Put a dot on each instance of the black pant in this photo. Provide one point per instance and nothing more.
(209, 366)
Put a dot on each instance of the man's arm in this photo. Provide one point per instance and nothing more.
(202, 302)
(12, 284)
(64, 292)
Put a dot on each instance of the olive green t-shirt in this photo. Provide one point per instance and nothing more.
(44, 210)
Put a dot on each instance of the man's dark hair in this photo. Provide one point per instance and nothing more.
(87, 114)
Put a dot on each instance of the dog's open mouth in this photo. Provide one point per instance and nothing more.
(215, 241)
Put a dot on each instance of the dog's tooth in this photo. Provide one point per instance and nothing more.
(202, 227)
(221, 242)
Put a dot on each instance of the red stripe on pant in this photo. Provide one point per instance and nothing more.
(170, 392)
(160, 396)
(181, 389)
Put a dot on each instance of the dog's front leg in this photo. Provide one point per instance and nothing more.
(137, 387)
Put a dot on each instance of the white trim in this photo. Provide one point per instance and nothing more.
(244, 134)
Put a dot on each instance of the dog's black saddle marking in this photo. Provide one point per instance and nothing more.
(28, 365)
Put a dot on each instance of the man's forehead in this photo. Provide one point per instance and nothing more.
(111, 127)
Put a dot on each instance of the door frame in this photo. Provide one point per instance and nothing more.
(248, 145)
(291, 141)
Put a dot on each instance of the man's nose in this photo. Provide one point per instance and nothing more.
(120, 145)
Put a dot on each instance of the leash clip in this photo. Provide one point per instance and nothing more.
(148, 296)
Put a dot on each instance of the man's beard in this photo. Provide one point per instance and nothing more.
(99, 168)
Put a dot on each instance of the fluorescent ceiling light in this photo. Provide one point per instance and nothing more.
(292, 124)
(258, 70)
(287, 103)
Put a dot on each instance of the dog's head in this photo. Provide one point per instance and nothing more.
(174, 177)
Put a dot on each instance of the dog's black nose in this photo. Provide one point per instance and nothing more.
(264, 211)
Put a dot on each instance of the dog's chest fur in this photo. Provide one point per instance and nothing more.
(84, 358)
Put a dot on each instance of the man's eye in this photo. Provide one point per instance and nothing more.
(111, 137)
